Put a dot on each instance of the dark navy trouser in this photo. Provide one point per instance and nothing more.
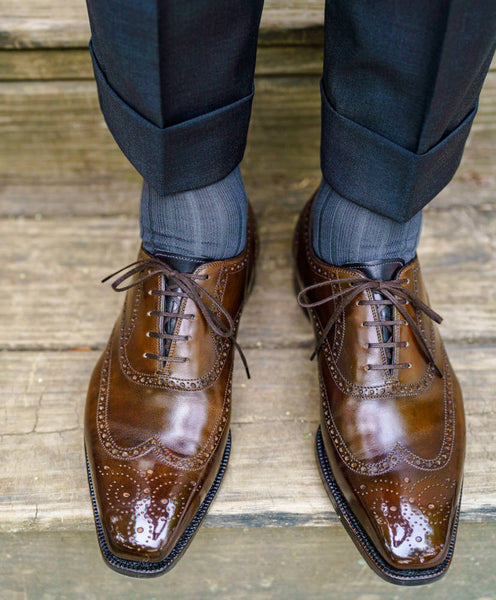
(400, 85)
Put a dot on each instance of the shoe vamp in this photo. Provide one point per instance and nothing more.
(372, 428)
(181, 422)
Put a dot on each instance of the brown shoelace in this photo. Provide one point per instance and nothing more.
(394, 295)
(188, 288)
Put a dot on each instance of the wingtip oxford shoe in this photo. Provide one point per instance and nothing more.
(391, 443)
(158, 407)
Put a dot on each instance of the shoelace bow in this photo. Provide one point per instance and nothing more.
(188, 288)
(394, 294)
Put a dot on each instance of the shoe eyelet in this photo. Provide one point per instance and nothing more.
(409, 366)
(147, 334)
(149, 314)
(367, 367)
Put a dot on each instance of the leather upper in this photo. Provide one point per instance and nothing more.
(395, 438)
(156, 430)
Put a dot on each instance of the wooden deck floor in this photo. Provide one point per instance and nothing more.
(68, 217)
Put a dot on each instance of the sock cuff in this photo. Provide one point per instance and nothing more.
(208, 223)
(344, 232)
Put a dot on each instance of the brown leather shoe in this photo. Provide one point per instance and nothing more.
(158, 407)
(392, 439)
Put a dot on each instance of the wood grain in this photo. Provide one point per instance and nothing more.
(64, 23)
(46, 63)
(75, 63)
(272, 478)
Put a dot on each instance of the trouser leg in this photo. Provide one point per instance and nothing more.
(399, 93)
(175, 82)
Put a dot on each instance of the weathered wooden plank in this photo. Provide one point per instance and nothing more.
(236, 564)
(64, 23)
(47, 63)
(51, 297)
(274, 420)
(57, 157)
(75, 63)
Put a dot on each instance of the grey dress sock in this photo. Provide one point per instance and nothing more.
(207, 223)
(344, 232)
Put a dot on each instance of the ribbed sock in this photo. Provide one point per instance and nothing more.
(344, 232)
(207, 223)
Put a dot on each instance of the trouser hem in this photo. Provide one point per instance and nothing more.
(374, 172)
(181, 157)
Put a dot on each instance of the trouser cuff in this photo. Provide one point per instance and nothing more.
(370, 170)
(181, 157)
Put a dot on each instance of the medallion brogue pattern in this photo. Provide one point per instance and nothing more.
(426, 495)
(125, 486)
(408, 512)
(142, 503)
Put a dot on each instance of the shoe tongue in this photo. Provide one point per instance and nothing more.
(183, 264)
(383, 270)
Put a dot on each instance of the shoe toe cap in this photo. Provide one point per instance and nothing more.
(410, 537)
(143, 515)
(411, 523)
(140, 534)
